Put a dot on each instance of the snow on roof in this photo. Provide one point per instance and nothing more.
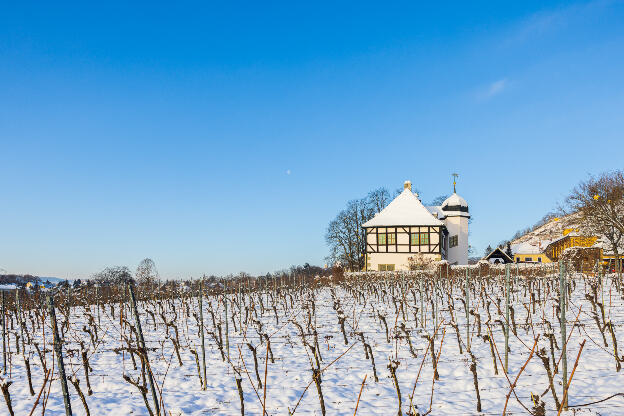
(455, 206)
(455, 200)
(526, 248)
(435, 209)
(405, 209)
(497, 250)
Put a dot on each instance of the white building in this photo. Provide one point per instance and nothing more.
(407, 233)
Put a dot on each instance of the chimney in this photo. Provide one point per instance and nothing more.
(407, 185)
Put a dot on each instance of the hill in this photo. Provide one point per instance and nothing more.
(552, 230)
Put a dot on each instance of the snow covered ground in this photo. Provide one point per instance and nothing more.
(289, 382)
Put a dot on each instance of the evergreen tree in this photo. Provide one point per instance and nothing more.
(488, 250)
(508, 250)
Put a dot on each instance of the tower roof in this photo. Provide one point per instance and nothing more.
(455, 205)
(405, 209)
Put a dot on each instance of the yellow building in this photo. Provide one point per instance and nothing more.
(555, 248)
(529, 253)
(531, 258)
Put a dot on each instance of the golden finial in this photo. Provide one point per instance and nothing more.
(455, 176)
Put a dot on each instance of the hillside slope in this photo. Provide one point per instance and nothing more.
(550, 231)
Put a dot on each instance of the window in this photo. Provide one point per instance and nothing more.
(381, 239)
(414, 239)
(517, 259)
(385, 267)
(391, 238)
(418, 239)
(528, 259)
(453, 241)
(539, 259)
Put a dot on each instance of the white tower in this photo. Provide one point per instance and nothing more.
(456, 212)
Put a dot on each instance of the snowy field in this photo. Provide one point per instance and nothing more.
(416, 310)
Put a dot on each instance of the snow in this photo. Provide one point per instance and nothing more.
(405, 209)
(526, 248)
(289, 378)
(551, 231)
(604, 243)
(455, 200)
(436, 210)
(8, 287)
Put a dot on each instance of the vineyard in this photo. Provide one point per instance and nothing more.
(447, 341)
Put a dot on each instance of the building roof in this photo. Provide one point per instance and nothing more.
(499, 254)
(455, 205)
(455, 200)
(405, 209)
(526, 248)
(436, 209)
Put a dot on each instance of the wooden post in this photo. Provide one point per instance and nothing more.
(422, 314)
(68, 297)
(18, 307)
(600, 280)
(137, 321)
(562, 307)
(467, 290)
(618, 266)
(4, 360)
(227, 328)
(58, 351)
(97, 301)
(201, 330)
(507, 318)
(435, 295)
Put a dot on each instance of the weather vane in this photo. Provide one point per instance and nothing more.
(455, 176)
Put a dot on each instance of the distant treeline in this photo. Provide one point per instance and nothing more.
(18, 279)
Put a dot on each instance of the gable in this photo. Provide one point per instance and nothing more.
(405, 209)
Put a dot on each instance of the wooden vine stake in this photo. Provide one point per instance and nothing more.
(506, 318)
(227, 328)
(58, 351)
(467, 312)
(141, 340)
(4, 355)
(564, 353)
(201, 331)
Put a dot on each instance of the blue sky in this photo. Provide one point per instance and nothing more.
(223, 137)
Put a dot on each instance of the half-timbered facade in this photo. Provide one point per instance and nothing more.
(406, 234)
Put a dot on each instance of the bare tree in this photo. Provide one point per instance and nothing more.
(146, 272)
(346, 237)
(438, 200)
(600, 201)
(113, 275)
(378, 199)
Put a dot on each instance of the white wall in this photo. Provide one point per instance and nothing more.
(400, 260)
(458, 226)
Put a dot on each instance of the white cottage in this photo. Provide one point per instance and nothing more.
(406, 232)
